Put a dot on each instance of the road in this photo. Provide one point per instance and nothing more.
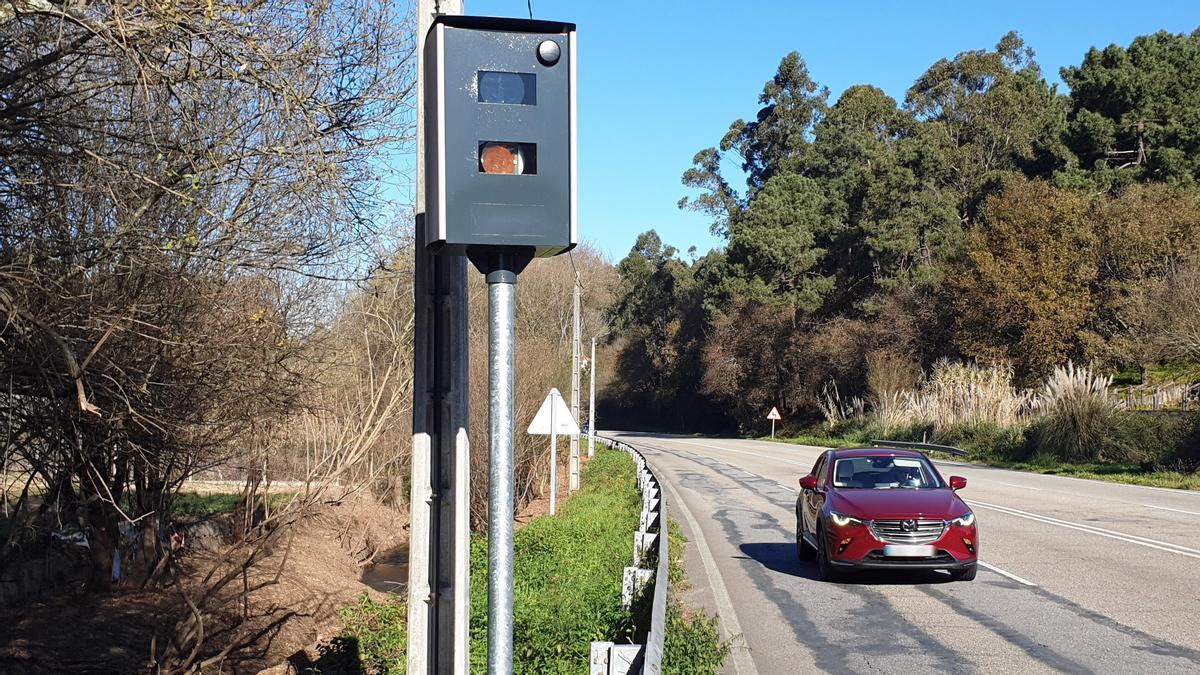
(1080, 576)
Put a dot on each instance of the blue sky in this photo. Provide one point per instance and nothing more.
(660, 81)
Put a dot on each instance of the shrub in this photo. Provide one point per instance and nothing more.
(1079, 421)
(1163, 441)
(955, 394)
(692, 645)
(986, 442)
(837, 410)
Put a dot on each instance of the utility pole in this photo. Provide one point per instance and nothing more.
(576, 348)
(439, 543)
(592, 404)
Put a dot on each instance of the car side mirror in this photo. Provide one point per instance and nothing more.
(957, 482)
(808, 482)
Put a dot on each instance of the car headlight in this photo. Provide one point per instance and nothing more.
(965, 520)
(842, 520)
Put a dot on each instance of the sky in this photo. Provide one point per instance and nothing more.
(660, 81)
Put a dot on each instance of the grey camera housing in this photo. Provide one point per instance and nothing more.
(478, 74)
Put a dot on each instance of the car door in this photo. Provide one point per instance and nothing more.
(814, 499)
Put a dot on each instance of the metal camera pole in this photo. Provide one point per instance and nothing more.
(501, 269)
(502, 301)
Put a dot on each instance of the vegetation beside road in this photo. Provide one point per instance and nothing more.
(567, 589)
(1114, 473)
(987, 217)
(692, 644)
(1071, 426)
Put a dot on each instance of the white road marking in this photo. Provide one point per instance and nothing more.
(1163, 508)
(1111, 534)
(985, 467)
(743, 452)
(1020, 486)
(742, 663)
(1010, 575)
(785, 487)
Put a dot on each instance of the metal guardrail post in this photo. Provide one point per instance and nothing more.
(608, 658)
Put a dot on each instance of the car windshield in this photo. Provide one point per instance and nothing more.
(884, 472)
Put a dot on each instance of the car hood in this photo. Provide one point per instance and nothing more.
(934, 503)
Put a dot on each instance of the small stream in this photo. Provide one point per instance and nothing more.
(389, 572)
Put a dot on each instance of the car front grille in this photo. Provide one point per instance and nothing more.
(910, 531)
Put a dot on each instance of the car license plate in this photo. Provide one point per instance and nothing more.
(908, 551)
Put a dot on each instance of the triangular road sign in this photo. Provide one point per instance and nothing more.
(564, 424)
(774, 414)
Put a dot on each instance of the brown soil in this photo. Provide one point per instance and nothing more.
(292, 609)
(294, 602)
(541, 505)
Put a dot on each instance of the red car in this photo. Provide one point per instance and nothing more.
(884, 509)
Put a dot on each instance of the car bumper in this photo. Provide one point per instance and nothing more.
(946, 562)
(863, 550)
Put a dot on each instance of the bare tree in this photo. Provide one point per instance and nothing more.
(174, 180)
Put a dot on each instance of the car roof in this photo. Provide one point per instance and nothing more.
(875, 452)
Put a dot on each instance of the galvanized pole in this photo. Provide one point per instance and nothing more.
(501, 417)
(576, 348)
(553, 455)
(592, 404)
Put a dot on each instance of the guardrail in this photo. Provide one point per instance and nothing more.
(608, 658)
(920, 446)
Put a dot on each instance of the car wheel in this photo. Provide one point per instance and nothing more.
(825, 569)
(964, 574)
(803, 551)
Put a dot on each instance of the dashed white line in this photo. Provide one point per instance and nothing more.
(742, 663)
(785, 487)
(1164, 508)
(1010, 575)
(1020, 486)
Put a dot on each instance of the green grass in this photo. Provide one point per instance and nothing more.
(567, 589)
(204, 504)
(1179, 372)
(381, 630)
(567, 585)
(1113, 473)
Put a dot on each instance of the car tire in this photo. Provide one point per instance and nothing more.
(825, 569)
(804, 552)
(964, 574)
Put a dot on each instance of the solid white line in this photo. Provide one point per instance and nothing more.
(1094, 481)
(1111, 534)
(742, 452)
(1010, 575)
(1020, 486)
(1163, 508)
(743, 664)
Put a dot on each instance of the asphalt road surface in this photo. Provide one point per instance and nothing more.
(1076, 576)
